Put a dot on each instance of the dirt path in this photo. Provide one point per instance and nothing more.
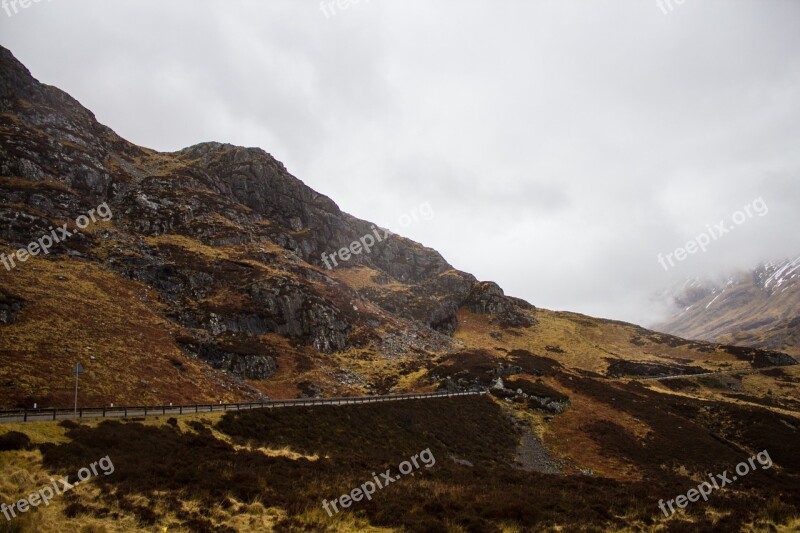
(532, 455)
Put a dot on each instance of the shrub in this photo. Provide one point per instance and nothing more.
(14, 440)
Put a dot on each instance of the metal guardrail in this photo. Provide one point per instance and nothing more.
(30, 415)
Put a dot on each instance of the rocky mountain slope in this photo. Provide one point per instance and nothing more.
(213, 254)
(760, 308)
(203, 279)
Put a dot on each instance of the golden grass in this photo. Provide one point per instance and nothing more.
(21, 473)
(755, 385)
(39, 432)
(17, 183)
(586, 342)
(188, 244)
(339, 523)
(361, 277)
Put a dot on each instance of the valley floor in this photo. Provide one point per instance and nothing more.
(271, 470)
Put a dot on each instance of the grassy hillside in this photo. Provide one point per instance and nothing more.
(79, 311)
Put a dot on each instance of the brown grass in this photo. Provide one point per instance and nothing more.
(76, 310)
(271, 469)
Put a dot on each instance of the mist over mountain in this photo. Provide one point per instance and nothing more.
(759, 308)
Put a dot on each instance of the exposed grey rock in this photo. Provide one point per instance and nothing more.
(309, 389)
(347, 377)
(414, 340)
(487, 298)
(462, 462)
(10, 307)
(548, 404)
(250, 366)
(459, 385)
(244, 365)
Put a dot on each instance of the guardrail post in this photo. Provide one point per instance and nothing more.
(126, 412)
(145, 410)
(25, 415)
(104, 412)
(80, 413)
(54, 414)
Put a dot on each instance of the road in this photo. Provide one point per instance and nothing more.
(718, 373)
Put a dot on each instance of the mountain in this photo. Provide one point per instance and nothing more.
(204, 277)
(212, 274)
(760, 308)
(213, 252)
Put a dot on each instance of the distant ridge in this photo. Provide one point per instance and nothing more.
(759, 308)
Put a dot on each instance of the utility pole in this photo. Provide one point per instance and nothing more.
(78, 371)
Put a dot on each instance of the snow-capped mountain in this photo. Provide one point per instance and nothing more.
(760, 308)
(781, 276)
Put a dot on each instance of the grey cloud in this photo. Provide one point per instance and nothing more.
(562, 145)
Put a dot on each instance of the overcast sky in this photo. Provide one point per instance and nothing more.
(562, 145)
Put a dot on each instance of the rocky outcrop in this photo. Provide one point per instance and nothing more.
(413, 340)
(487, 298)
(68, 144)
(434, 302)
(252, 367)
(255, 306)
(466, 380)
(760, 358)
(309, 389)
(619, 368)
(232, 357)
(304, 221)
(10, 307)
(246, 366)
(538, 396)
(293, 312)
